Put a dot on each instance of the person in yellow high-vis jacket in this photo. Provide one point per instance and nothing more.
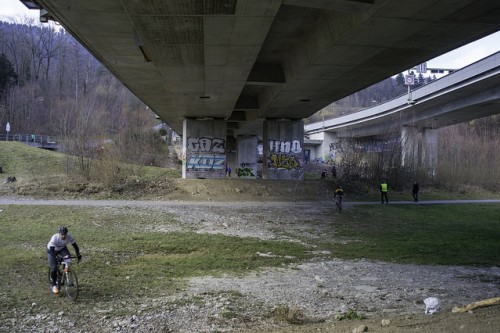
(383, 191)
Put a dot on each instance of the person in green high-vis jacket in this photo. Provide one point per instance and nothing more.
(383, 191)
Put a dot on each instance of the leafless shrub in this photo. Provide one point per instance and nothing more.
(469, 154)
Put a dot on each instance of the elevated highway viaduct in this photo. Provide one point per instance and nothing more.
(469, 93)
(224, 73)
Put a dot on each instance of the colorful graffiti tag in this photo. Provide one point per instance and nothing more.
(284, 154)
(283, 161)
(206, 154)
(206, 162)
(246, 170)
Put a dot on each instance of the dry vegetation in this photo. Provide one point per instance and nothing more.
(469, 155)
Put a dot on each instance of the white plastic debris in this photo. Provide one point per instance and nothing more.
(432, 305)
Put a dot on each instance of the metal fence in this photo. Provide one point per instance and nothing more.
(41, 141)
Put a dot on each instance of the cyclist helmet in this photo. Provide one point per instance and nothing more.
(63, 230)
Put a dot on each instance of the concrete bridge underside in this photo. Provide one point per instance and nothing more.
(217, 70)
(245, 61)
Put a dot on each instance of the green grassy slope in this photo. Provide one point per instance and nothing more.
(21, 160)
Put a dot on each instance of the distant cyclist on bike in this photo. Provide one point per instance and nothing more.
(339, 193)
(57, 246)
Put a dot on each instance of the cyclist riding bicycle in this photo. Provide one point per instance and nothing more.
(57, 246)
(339, 193)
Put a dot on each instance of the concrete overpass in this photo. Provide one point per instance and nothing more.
(469, 93)
(220, 69)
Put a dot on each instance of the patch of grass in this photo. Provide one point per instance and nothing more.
(47, 167)
(152, 173)
(228, 314)
(432, 234)
(290, 314)
(21, 160)
(124, 254)
(349, 315)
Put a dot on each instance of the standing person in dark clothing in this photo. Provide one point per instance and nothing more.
(415, 190)
(383, 191)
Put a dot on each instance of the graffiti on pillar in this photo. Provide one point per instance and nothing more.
(283, 161)
(285, 154)
(335, 145)
(205, 157)
(246, 170)
(212, 145)
(205, 162)
(286, 147)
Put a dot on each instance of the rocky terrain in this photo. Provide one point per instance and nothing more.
(320, 295)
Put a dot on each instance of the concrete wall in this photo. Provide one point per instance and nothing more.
(247, 157)
(204, 148)
(231, 155)
(429, 151)
(326, 151)
(411, 143)
(283, 153)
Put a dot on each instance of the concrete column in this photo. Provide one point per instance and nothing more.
(247, 157)
(314, 144)
(204, 148)
(330, 146)
(411, 142)
(429, 151)
(283, 155)
(327, 150)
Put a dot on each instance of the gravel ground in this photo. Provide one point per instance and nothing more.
(319, 292)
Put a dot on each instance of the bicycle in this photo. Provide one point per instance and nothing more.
(338, 203)
(66, 277)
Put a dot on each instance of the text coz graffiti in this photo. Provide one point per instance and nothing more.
(212, 145)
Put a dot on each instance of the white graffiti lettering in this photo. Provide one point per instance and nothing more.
(202, 145)
(285, 147)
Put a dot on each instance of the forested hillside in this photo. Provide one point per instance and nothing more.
(51, 85)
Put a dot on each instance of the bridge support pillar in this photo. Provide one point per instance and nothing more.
(327, 150)
(411, 143)
(419, 149)
(247, 156)
(204, 148)
(430, 150)
(283, 154)
(331, 145)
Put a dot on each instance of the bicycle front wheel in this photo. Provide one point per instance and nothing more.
(71, 285)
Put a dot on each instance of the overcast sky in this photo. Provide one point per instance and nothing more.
(458, 58)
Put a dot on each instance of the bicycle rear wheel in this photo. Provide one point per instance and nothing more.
(338, 206)
(71, 285)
